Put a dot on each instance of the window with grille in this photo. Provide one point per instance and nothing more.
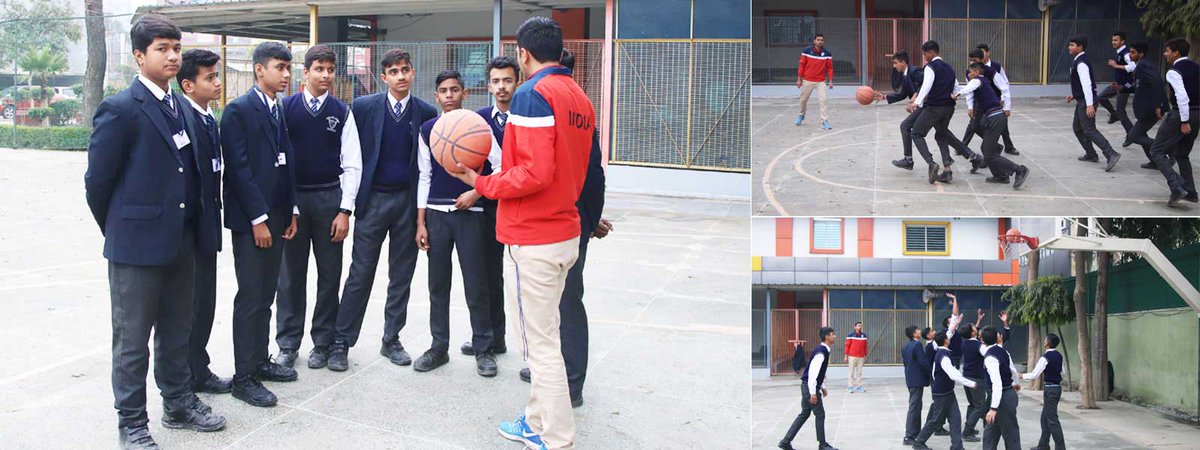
(790, 28)
(927, 238)
(826, 236)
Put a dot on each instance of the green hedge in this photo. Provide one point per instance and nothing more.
(51, 138)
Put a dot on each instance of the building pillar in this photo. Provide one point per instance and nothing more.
(606, 83)
(224, 71)
(312, 25)
(497, 14)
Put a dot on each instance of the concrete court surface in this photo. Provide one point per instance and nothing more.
(875, 419)
(666, 296)
(847, 171)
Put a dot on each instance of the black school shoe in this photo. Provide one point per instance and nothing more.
(1112, 161)
(941, 432)
(338, 357)
(946, 177)
(318, 358)
(214, 385)
(997, 180)
(1012, 151)
(430, 360)
(903, 163)
(270, 371)
(136, 436)
(287, 357)
(933, 172)
(1176, 196)
(197, 416)
(248, 389)
(485, 365)
(1022, 174)
(1089, 158)
(395, 353)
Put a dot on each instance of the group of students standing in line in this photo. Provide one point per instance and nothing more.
(933, 91)
(295, 170)
(961, 353)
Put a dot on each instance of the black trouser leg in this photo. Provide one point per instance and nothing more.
(1169, 142)
(291, 300)
(976, 406)
(970, 132)
(1005, 426)
(257, 272)
(391, 216)
(464, 230)
(1008, 143)
(921, 127)
(204, 305)
(912, 424)
(402, 262)
(1087, 134)
(1051, 427)
(1139, 134)
(494, 264)
(1104, 99)
(945, 139)
(328, 256)
(807, 409)
(906, 127)
(1000, 166)
(146, 298)
(944, 409)
(1122, 100)
(574, 326)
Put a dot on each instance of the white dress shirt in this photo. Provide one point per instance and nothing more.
(1000, 79)
(425, 166)
(392, 102)
(156, 91)
(993, 369)
(814, 367)
(1085, 79)
(1181, 95)
(1037, 370)
(351, 156)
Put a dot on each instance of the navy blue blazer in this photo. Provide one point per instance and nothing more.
(134, 183)
(369, 112)
(1151, 91)
(916, 364)
(209, 236)
(248, 142)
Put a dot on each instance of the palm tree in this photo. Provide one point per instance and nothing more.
(42, 64)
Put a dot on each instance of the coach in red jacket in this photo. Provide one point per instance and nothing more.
(547, 141)
(856, 354)
(815, 72)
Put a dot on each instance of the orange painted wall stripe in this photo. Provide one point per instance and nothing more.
(866, 238)
(783, 236)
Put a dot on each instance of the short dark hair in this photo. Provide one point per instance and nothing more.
(940, 338)
(567, 60)
(541, 37)
(824, 331)
(446, 75)
(966, 330)
(857, 323)
(504, 62)
(818, 35)
(977, 66)
(152, 26)
(266, 51)
(319, 53)
(975, 53)
(393, 57)
(901, 56)
(988, 334)
(193, 60)
(946, 322)
(1052, 340)
(931, 46)
(1180, 45)
(1141, 47)
(1120, 34)
(1079, 40)
(908, 332)
(983, 46)
(926, 331)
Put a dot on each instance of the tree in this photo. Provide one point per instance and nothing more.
(29, 26)
(1166, 19)
(42, 65)
(1040, 304)
(1034, 342)
(97, 57)
(1100, 316)
(1086, 384)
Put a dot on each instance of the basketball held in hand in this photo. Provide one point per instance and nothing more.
(865, 95)
(460, 136)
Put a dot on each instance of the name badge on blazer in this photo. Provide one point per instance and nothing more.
(181, 140)
(216, 163)
(280, 159)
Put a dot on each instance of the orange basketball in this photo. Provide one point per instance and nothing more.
(865, 95)
(460, 136)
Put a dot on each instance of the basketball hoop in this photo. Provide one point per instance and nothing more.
(1012, 241)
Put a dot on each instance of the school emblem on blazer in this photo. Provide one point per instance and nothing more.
(333, 123)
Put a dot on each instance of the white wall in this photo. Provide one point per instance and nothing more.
(762, 236)
(970, 238)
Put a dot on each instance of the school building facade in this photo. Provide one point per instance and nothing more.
(862, 35)
(888, 273)
(669, 80)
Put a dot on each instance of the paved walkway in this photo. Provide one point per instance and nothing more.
(847, 171)
(666, 297)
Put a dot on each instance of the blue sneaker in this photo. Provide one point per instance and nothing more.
(799, 119)
(851, 389)
(825, 124)
(861, 389)
(518, 431)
